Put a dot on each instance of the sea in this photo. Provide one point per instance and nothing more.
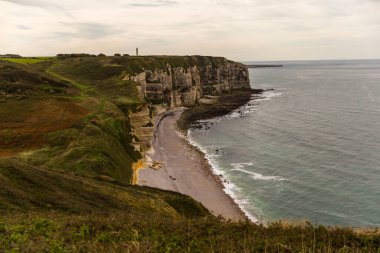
(308, 148)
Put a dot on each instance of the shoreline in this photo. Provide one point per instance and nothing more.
(173, 164)
(176, 163)
(213, 171)
(219, 174)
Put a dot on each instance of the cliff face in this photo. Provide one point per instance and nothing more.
(184, 86)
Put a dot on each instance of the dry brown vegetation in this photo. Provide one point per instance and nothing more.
(23, 123)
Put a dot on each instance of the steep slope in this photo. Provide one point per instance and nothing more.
(84, 134)
(28, 188)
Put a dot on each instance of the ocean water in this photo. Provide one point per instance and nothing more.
(308, 149)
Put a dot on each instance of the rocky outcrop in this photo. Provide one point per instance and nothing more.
(142, 121)
(185, 85)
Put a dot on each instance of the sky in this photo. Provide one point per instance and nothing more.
(237, 29)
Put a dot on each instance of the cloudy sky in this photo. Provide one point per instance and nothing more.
(237, 29)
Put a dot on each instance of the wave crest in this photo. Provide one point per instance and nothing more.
(254, 175)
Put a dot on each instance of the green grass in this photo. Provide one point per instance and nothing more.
(27, 60)
(98, 144)
(26, 188)
(88, 70)
(23, 78)
(136, 65)
(133, 232)
(96, 77)
(83, 88)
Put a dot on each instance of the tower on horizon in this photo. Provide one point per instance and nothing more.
(137, 51)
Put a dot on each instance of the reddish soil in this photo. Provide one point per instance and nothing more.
(5, 154)
(23, 123)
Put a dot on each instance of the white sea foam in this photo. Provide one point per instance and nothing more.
(229, 188)
(258, 176)
(330, 213)
(252, 106)
(302, 77)
(212, 120)
(268, 95)
(240, 165)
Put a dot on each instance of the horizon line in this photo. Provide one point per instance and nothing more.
(277, 60)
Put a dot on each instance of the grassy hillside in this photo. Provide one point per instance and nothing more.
(47, 211)
(51, 121)
(28, 189)
(66, 159)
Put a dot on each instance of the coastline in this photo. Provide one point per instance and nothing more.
(225, 184)
(176, 163)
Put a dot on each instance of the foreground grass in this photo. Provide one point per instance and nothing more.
(123, 232)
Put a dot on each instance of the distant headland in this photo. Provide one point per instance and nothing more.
(264, 66)
(10, 56)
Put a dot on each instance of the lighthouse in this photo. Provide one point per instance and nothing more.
(137, 51)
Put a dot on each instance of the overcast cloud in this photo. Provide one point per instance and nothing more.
(239, 30)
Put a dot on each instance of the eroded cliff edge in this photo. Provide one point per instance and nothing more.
(196, 77)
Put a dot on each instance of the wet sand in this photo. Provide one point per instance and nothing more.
(184, 169)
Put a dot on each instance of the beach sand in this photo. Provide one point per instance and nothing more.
(184, 169)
